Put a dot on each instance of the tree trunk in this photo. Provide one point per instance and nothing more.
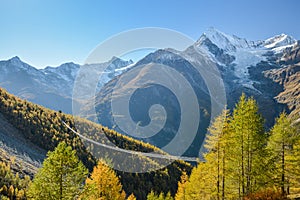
(61, 182)
(243, 170)
(218, 181)
(283, 171)
(223, 177)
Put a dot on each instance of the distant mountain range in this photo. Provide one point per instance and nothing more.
(51, 87)
(268, 70)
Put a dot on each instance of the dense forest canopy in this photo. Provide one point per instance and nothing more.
(44, 127)
(242, 159)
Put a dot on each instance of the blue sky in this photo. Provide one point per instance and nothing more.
(51, 32)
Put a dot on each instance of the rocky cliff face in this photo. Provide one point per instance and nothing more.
(288, 77)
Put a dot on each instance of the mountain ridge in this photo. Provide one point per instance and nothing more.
(241, 64)
(51, 87)
(245, 66)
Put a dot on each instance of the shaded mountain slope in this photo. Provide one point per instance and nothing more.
(24, 156)
(243, 66)
(51, 87)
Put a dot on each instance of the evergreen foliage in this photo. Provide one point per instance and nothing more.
(12, 185)
(61, 176)
(243, 161)
(284, 153)
(247, 148)
(44, 127)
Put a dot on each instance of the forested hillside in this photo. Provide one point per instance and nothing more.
(243, 161)
(44, 128)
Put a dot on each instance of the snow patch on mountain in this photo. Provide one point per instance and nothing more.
(217, 44)
(281, 40)
(121, 70)
(66, 71)
(244, 59)
(116, 66)
(234, 55)
(58, 80)
(227, 42)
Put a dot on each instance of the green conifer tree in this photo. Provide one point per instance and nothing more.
(199, 184)
(217, 156)
(283, 144)
(247, 148)
(61, 176)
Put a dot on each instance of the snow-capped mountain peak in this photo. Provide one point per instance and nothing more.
(224, 41)
(230, 43)
(280, 41)
(240, 53)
